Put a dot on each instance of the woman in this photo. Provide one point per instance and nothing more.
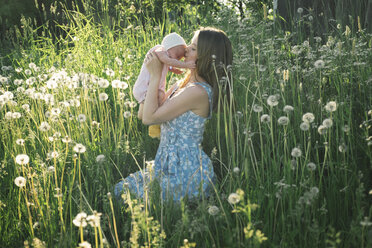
(180, 166)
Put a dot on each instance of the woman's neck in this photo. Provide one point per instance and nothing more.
(194, 77)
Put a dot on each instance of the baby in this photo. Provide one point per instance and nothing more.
(171, 50)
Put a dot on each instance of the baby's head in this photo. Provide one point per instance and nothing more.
(175, 45)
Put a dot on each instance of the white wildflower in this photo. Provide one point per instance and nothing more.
(81, 118)
(79, 148)
(319, 64)
(20, 182)
(233, 198)
(272, 100)
(265, 118)
(308, 117)
(322, 129)
(296, 152)
(304, 126)
(288, 108)
(213, 210)
(311, 166)
(257, 108)
(22, 159)
(80, 220)
(127, 114)
(103, 97)
(20, 142)
(44, 126)
(331, 106)
(283, 120)
(327, 123)
(100, 158)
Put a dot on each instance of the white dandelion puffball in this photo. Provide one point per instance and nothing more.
(80, 220)
(300, 10)
(331, 106)
(85, 244)
(342, 148)
(123, 85)
(288, 108)
(283, 120)
(296, 152)
(213, 210)
(22, 159)
(272, 100)
(81, 118)
(319, 64)
(236, 170)
(103, 97)
(44, 126)
(103, 83)
(94, 219)
(257, 108)
(100, 158)
(265, 118)
(304, 126)
(20, 142)
(79, 148)
(115, 84)
(322, 129)
(127, 114)
(308, 117)
(233, 198)
(20, 181)
(311, 166)
(327, 123)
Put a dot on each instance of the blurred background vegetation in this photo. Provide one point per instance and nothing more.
(322, 15)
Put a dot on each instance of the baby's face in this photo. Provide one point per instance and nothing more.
(177, 52)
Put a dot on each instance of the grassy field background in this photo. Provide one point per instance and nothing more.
(293, 157)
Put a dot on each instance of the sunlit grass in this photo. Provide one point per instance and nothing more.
(292, 153)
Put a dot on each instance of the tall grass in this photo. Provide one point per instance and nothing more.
(285, 180)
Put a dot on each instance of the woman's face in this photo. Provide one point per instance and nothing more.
(191, 50)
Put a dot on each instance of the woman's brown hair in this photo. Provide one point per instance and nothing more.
(214, 61)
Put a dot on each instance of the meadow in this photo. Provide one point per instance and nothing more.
(292, 153)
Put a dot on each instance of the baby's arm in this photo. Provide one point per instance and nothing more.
(163, 57)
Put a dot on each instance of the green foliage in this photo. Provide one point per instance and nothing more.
(280, 184)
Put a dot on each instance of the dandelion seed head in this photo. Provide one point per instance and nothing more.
(342, 148)
(283, 120)
(319, 64)
(20, 182)
(79, 148)
(322, 129)
(20, 142)
(300, 10)
(328, 123)
(257, 108)
(81, 118)
(127, 114)
(304, 126)
(265, 118)
(103, 83)
(272, 100)
(236, 170)
(213, 210)
(22, 159)
(311, 166)
(233, 198)
(296, 152)
(308, 117)
(346, 128)
(100, 158)
(331, 106)
(80, 220)
(103, 97)
(288, 108)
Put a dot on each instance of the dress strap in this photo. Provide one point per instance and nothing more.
(208, 88)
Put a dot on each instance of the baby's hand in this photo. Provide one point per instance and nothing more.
(190, 65)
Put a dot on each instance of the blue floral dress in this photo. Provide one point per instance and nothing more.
(180, 165)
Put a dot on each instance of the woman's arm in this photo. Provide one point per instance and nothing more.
(190, 98)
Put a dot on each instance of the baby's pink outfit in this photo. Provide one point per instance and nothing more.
(142, 83)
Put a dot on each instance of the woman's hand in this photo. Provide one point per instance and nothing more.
(153, 64)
